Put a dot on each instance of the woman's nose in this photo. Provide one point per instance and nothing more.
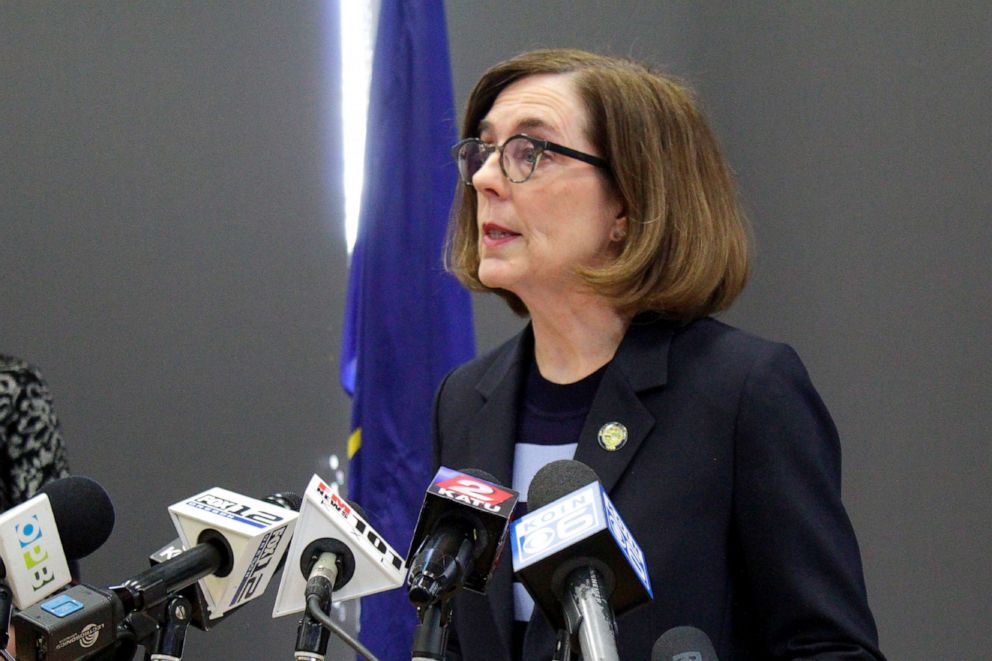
(490, 177)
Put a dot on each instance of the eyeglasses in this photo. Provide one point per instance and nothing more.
(518, 156)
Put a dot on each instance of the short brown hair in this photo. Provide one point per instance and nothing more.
(686, 252)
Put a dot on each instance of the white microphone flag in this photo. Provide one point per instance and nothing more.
(257, 533)
(32, 552)
(326, 515)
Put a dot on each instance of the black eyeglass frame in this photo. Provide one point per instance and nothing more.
(543, 145)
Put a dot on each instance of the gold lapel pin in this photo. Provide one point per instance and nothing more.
(612, 436)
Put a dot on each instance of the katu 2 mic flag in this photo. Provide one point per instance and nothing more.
(407, 322)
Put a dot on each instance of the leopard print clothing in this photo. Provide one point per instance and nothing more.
(31, 448)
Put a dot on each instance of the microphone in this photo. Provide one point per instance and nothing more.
(683, 644)
(238, 542)
(577, 558)
(200, 614)
(336, 552)
(67, 520)
(253, 533)
(459, 535)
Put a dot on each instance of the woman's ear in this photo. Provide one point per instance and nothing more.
(619, 231)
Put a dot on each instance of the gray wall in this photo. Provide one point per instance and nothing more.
(172, 255)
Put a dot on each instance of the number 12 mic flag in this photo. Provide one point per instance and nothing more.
(408, 322)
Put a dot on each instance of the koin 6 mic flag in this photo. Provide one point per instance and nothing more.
(31, 549)
(374, 565)
(582, 526)
(256, 532)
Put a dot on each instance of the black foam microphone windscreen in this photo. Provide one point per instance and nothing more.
(683, 644)
(83, 513)
(557, 479)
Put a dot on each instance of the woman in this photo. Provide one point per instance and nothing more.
(597, 202)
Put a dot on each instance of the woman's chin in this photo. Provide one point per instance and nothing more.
(496, 276)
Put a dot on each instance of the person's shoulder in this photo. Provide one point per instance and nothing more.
(14, 365)
(719, 335)
(20, 370)
(20, 378)
(717, 343)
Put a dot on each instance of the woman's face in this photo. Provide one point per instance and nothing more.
(533, 235)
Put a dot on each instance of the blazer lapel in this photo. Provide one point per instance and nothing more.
(494, 432)
(640, 364)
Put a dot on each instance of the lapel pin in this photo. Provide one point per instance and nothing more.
(612, 436)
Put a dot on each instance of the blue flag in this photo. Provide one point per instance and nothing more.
(408, 322)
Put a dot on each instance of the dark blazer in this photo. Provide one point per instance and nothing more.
(729, 480)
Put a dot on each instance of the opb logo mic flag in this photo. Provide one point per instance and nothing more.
(32, 551)
(407, 322)
(581, 524)
(326, 515)
(257, 533)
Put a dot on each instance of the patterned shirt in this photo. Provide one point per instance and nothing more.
(31, 448)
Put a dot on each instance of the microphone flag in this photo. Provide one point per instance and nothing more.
(407, 322)
(583, 524)
(31, 550)
(256, 532)
(456, 494)
(325, 514)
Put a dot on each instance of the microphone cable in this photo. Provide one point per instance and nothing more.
(315, 611)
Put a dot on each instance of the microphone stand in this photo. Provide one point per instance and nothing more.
(170, 639)
(311, 635)
(430, 637)
(316, 624)
(563, 646)
(567, 643)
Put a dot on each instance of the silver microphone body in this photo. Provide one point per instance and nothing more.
(587, 606)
